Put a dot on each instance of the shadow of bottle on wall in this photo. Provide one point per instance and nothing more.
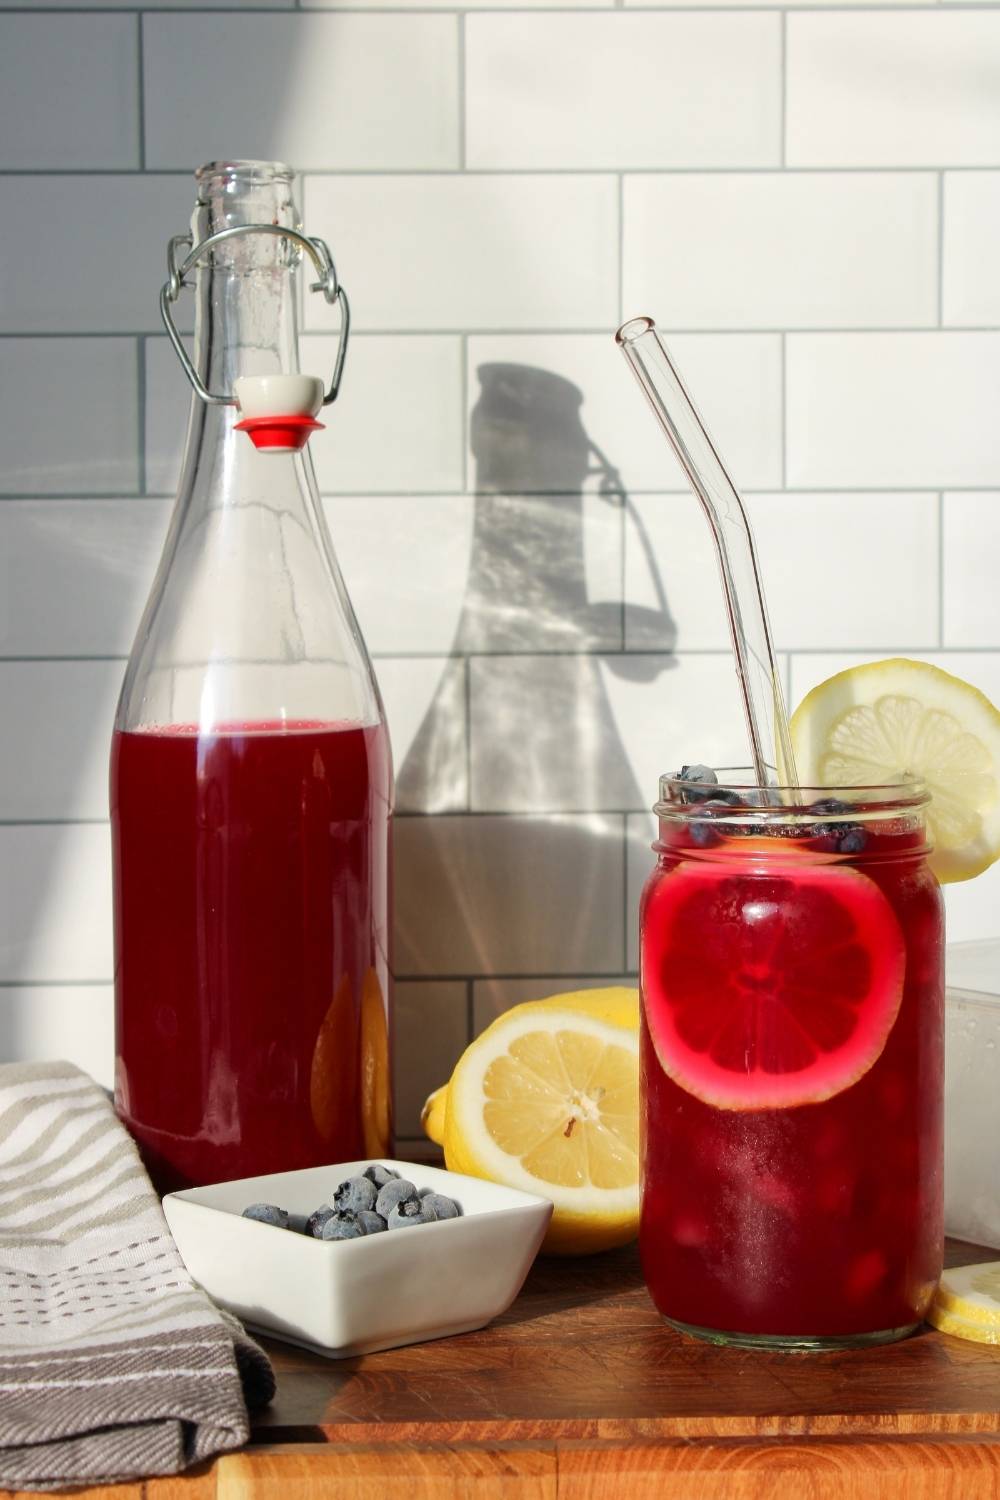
(530, 717)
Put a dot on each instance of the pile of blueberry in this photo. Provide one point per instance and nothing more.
(841, 836)
(378, 1200)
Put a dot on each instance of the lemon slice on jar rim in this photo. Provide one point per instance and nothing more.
(889, 721)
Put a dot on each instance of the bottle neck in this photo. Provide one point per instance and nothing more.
(246, 320)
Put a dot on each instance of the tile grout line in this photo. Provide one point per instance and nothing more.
(623, 566)
(418, 497)
(462, 121)
(141, 92)
(784, 413)
(783, 103)
(521, 330)
(940, 249)
(55, 984)
(830, 7)
(625, 900)
(140, 403)
(621, 248)
(465, 423)
(407, 978)
(539, 654)
(603, 169)
(941, 561)
(467, 686)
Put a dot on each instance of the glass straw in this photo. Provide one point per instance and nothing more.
(760, 686)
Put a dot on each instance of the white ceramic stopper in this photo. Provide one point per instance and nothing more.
(278, 395)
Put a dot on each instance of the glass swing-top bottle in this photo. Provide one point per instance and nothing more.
(251, 780)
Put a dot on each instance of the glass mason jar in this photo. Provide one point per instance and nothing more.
(791, 1064)
(251, 780)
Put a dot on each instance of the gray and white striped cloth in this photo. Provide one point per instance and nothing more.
(113, 1363)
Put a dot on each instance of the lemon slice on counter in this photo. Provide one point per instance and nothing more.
(546, 1100)
(614, 1003)
(889, 720)
(967, 1303)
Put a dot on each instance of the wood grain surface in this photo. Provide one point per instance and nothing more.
(580, 1392)
(583, 1355)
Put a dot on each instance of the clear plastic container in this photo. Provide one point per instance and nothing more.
(972, 1092)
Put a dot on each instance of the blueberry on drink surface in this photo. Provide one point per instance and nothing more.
(394, 1192)
(267, 1213)
(697, 773)
(703, 783)
(355, 1194)
(844, 838)
(704, 835)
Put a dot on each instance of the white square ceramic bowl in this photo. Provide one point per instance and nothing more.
(349, 1297)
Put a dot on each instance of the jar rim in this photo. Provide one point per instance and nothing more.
(254, 170)
(775, 803)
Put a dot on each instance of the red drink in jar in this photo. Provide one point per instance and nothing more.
(792, 1059)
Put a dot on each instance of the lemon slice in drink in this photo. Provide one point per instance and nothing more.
(889, 720)
(546, 1100)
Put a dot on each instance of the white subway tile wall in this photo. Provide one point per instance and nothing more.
(808, 201)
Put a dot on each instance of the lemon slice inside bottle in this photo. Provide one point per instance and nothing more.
(548, 1102)
(888, 721)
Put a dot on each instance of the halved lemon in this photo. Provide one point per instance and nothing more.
(547, 1101)
(880, 723)
(617, 1004)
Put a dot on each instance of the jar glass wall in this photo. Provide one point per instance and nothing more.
(792, 1060)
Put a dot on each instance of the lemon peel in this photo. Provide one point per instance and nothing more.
(967, 1303)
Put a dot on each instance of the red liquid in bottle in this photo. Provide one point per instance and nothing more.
(820, 1220)
(251, 934)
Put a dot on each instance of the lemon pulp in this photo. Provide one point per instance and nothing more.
(617, 1004)
(548, 1102)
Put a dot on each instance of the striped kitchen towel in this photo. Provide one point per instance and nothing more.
(113, 1363)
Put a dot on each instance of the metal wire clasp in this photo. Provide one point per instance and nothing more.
(318, 252)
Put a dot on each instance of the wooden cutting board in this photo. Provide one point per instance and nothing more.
(580, 1392)
(582, 1354)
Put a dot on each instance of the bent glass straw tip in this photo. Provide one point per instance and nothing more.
(633, 329)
